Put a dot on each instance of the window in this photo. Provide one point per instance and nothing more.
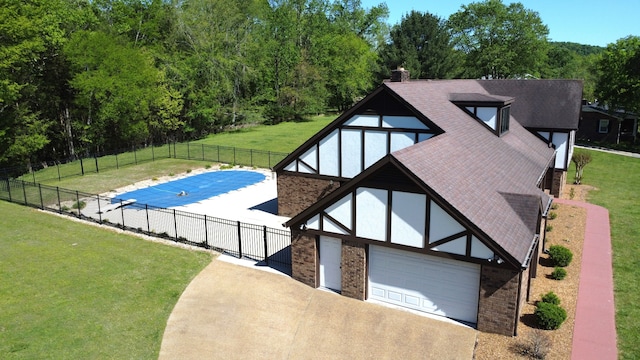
(505, 113)
(603, 126)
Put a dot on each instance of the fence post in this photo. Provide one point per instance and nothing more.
(33, 174)
(59, 203)
(269, 159)
(175, 156)
(175, 221)
(202, 152)
(135, 155)
(146, 211)
(206, 232)
(78, 202)
(266, 250)
(81, 166)
(234, 155)
(169, 146)
(116, 160)
(153, 156)
(239, 241)
(95, 156)
(58, 167)
(41, 201)
(188, 152)
(218, 148)
(122, 213)
(99, 210)
(251, 157)
(9, 189)
(24, 192)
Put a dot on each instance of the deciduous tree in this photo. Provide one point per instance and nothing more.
(618, 84)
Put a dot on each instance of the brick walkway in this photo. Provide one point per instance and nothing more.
(594, 333)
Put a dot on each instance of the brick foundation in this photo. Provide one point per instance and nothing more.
(296, 193)
(354, 270)
(304, 259)
(498, 303)
(559, 179)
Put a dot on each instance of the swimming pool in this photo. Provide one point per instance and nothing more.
(192, 189)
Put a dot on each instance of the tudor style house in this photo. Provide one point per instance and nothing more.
(429, 195)
(601, 125)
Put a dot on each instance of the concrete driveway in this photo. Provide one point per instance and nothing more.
(235, 312)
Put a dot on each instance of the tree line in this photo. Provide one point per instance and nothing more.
(92, 76)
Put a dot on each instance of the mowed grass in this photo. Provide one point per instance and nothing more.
(74, 291)
(617, 179)
(111, 179)
(284, 137)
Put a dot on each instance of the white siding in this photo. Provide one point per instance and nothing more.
(329, 154)
(371, 213)
(351, 152)
(403, 122)
(375, 147)
(401, 140)
(561, 141)
(363, 120)
(408, 212)
(341, 211)
(330, 226)
(480, 250)
(457, 246)
(314, 223)
(291, 166)
(442, 224)
(311, 158)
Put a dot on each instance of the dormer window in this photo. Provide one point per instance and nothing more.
(490, 110)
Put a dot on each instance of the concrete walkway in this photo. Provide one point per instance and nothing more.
(594, 332)
(231, 312)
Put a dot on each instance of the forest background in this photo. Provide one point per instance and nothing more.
(84, 77)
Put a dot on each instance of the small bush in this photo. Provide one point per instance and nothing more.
(549, 316)
(551, 298)
(572, 194)
(554, 206)
(536, 345)
(171, 174)
(188, 171)
(552, 215)
(207, 166)
(79, 205)
(560, 255)
(558, 273)
(548, 228)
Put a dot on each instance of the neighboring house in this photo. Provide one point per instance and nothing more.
(427, 195)
(597, 124)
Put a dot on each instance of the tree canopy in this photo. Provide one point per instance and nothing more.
(86, 76)
(499, 41)
(618, 84)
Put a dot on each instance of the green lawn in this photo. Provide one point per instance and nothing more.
(284, 137)
(74, 291)
(617, 179)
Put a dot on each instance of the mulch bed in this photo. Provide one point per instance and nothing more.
(568, 231)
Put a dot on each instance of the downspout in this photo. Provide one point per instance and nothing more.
(517, 317)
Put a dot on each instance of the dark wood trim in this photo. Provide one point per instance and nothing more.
(307, 165)
(449, 238)
(469, 240)
(333, 220)
(389, 214)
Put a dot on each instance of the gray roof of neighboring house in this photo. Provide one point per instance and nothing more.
(549, 104)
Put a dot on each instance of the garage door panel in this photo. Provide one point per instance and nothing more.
(425, 283)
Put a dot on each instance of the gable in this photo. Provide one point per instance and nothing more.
(387, 207)
(377, 126)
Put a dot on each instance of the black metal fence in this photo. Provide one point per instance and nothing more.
(242, 240)
(95, 163)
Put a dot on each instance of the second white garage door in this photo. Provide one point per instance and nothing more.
(426, 283)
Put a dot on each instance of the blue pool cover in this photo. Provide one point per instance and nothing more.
(193, 188)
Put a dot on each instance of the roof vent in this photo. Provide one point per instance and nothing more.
(399, 75)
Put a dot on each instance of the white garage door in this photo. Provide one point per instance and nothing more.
(426, 283)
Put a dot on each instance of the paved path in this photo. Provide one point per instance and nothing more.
(611, 151)
(235, 312)
(594, 332)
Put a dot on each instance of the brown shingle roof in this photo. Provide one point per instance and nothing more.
(490, 180)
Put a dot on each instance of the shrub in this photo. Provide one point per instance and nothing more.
(560, 255)
(207, 166)
(558, 273)
(188, 171)
(536, 345)
(572, 193)
(551, 298)
(554, 206)
(548, 228)
(549, 316)
(552, 215)
(79, 205)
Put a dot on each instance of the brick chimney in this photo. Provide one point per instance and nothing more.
(399, 75)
